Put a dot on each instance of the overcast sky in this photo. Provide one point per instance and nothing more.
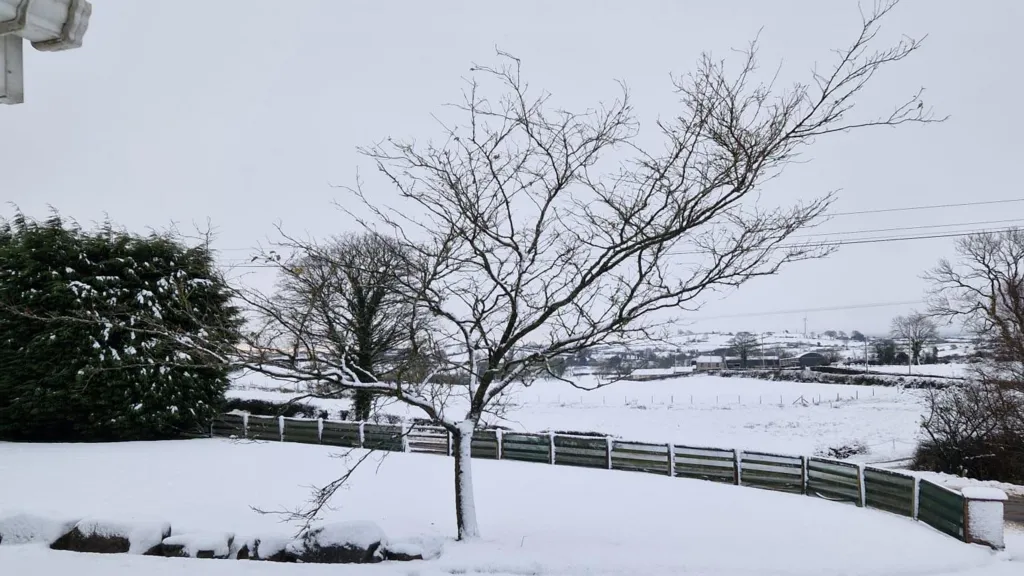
(244, 112)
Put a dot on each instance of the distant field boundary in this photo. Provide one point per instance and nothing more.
(819, 376)
(835, 480)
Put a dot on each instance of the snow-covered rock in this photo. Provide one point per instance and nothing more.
(27, 529)
(340, 543)
(199, 545)
(103, 537)
(414, 548)
(269, 548)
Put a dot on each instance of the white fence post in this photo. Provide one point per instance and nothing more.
(361, 436)
(498, 437)
(737, 458)
(610, 442)
(983, 516)
(672, 460)
(405, 437)
(917, 495)
(860, 485)
(245, 425)
(320, 430)
(551, 447)
(280, 427)
(803, 474)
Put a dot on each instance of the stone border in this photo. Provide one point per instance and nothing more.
(337, 543)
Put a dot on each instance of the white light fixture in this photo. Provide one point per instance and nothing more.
(50, 25)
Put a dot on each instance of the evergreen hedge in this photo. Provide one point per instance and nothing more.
(106, 335)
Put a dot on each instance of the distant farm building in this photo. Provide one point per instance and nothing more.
(812, 359)
(710, 362)
(735, 362)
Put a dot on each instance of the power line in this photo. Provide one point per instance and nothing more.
(806, 245)
(928, 207)
(863, 212)
(879, 240)
(809, 310)
(904, 228)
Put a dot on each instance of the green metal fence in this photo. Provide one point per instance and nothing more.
(773, 472)
(588, 452)
(345, 434)
(302, 431)
(429, 440)
(228, 426)
(526, 447)
(640, 457)
(383, 437)
(889, 491)
(712, 464)
(485, 444)
(939, 507)
(834, 480)
(263, 428)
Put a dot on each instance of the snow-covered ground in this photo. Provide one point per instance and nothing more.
(536, 519)
(751, 414)
(800, 418)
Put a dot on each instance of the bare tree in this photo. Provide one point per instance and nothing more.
(348, 293)
(532, 241)
(984, 291)
(742, 344)
(977, 428)
(915, 330)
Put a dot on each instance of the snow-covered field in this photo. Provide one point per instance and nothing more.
(536, 519)
(786, 417)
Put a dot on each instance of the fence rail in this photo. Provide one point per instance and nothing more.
(930, 503)
(941, 508)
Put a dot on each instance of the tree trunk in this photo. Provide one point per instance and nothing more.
(362, 405)
(465, 506)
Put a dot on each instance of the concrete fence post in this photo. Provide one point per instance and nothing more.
(449, 434)
(861, 492)
(917, 496)
(610, 445)
(672, 460)
(245, 425)
(983, 516)
(362, 436)
(499, 440)
(320, 430)
(737, 458)
(405, 437)
(280, 427)
(551, 447)
(803, 475)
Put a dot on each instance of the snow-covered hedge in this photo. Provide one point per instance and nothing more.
(847, 379)
(99, 332)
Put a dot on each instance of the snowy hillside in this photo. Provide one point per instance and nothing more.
(692, 344)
